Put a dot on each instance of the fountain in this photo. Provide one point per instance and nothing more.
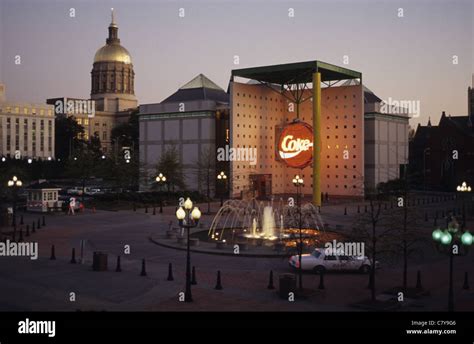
(255, 222)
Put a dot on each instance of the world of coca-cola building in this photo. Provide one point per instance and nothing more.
(303, 119)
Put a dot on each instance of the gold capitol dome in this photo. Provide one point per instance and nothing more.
(113, 51)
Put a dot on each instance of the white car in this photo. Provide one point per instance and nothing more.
(319, 262)
(74, 191)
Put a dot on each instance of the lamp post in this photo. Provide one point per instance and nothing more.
(449, 241)
(161, 180)
(188, 218)
(463, 189)
(298, 183)
(222, 178)
(14, 184)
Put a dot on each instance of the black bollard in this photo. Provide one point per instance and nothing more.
(193, 278)
(270, 281)
(365, 209)
(38, 224)
(53, 254)
(345, 210)
(321, 281)
(143, 273)
(146, 209)
(21, 234)
(44, 221)
(465, 285)
(154, 210)
(33, 229)
(134, 207)
(218, 283)
(73, 256)
(319, 209)
(118, 268)
(21, 220)
(418, 280)
(358, 209)
(27, 230)
(170, 272)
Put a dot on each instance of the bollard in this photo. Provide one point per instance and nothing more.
(21, 234)
(465, 285)
(118, 268)
(44, 221)
(134, 207)
(170, 272)
(146, 209)
(321, 281)
(27, 230)
(365, 209)
(21, 220)
(193, 278)
(358, 209)
(38, 224)
(218, 283)
(345, 210)
(270, 281)
(154, 210)
(53, 255)
(143, 273)
(418, 280)
(33, 230)
(73, 256)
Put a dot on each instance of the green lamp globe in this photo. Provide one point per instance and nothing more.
(437, 233)
(467, 239)
(446, 238)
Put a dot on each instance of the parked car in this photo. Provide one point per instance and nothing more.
(319, 262)
(94, 191)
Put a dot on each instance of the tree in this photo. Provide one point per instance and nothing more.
(373, 227)
(205, 167)
(84, 161)
(171, 168)
(68, 136)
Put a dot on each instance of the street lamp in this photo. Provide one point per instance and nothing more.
(449, 241)
(15, 184)
(298, 183)
(463, 189)
(188, 218)
(221, 177)
(161, 180)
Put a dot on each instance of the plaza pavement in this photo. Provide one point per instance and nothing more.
(45, 284)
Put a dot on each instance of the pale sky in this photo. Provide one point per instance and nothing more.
(407, 58)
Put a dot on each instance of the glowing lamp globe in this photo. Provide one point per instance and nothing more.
(180, 214)
(446, 238)
(467, 238)
(437, 234)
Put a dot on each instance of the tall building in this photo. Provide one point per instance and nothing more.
(470, 100)
(112, 76)
(26, 129)
(192, 119)
(112, 92)
(385, 139)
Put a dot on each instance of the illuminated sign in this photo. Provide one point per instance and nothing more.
(295, 145)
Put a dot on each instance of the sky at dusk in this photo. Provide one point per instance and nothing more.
(408, 58)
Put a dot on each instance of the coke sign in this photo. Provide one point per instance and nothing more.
(295, 145)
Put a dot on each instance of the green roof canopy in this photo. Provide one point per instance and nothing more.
(299, 72)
